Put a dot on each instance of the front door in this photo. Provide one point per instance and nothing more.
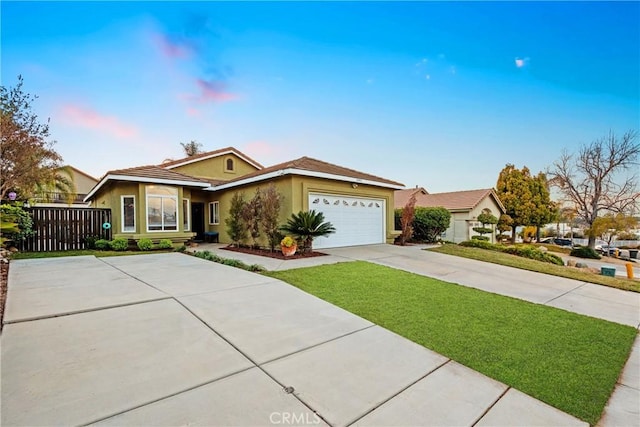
(197, 219)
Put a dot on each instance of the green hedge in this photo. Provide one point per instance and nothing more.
(584, 252)
(525, 251)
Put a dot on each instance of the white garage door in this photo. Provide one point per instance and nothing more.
(358, 221)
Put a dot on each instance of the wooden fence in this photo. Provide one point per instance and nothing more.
(63, 229)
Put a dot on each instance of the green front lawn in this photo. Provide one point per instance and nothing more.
(540, 267)
(568, 360)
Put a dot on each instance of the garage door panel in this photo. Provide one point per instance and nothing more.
(358, 221)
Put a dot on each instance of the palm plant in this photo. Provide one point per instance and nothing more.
(306, 226)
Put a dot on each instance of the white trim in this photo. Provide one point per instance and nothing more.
(302, 172)
(147, 180)
(122, 216)
(213, 156)
(186, 216)
(211, 220)
(162, 197)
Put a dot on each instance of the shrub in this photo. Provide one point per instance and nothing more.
(19, 223)
(306, 226)
(102, 244)
(230, 262)
(585, 252)
(91, 241)
(480, 244)
(165, 244)
(181, 248)
(145, 244)
(485, 238)
(430, 223)
(119, 244)
(532, 252)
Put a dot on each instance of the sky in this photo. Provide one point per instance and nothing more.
(435, 94)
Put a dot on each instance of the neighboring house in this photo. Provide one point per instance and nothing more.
(183, 199)
(465, 206)
(83, 183)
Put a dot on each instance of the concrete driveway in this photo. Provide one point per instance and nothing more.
(169, 339)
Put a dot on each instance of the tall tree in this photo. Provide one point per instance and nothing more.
(514, 190)
(27, 158)
(544, 209)
(191, 148)
(602, 177)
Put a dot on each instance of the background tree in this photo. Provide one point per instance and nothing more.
(544, 210)
(62, 186)
(485, 218)
(514, 190)
(271, 201)
(191, 148)
(611, 225)
(27, 159)
(252, 215)
(236, 226)
(429, 223)
(602, 177)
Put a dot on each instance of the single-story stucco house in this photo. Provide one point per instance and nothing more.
(465, 206)
(182, 199)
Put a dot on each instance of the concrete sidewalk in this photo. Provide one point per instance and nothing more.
(180, 340)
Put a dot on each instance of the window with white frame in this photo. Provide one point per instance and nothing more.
(214, 213)
(162, 208)
(186, 217)
(128, 213)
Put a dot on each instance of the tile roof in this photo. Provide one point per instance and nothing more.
(314, 165)
(155, 172)
(453, 201)
(401, 197)
(208, 155)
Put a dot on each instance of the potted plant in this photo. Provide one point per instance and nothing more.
(288, 246)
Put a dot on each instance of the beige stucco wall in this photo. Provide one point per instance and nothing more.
(462, 223)
(83, 183)
(216, 168)
(295, 191)
(110, 197)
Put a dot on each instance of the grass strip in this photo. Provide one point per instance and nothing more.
(537, 266)
(565, 359)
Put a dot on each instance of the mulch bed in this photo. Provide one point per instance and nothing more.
(275, 254)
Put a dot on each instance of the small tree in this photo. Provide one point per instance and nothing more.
(429, 223)
(271, 201)
(406, 220)
(252, 215)
(485, 218)
(505, 223)
(306, 226)
(610, 226)
(236, 226)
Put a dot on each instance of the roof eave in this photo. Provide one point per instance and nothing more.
(149, 180)
(304, 172)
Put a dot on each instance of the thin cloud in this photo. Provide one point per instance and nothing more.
(173, 49)
(521, 62)
(258, 149)
(213, 91)
(86, 117)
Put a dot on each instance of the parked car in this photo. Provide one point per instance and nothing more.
(556, 241)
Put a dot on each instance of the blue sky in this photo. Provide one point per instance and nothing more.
(436, 94)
